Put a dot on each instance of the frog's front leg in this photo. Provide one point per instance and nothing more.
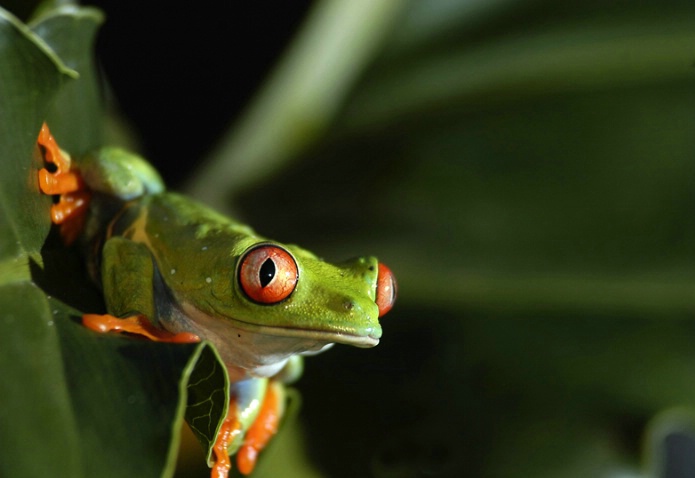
(127, 279)
(263, 428)
(255, 410)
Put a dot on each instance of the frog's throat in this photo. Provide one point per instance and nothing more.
(251, 350)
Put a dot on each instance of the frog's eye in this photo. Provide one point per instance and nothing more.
(385, 289)
(268, 274)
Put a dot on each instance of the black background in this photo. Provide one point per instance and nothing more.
(156, 56)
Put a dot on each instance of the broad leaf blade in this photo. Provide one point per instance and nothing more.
(30, 77)
(130, 398)
(38, 427)
(75, 404)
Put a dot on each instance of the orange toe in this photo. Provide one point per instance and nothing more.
(71, 209)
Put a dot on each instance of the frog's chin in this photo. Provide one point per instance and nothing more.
(259, 351)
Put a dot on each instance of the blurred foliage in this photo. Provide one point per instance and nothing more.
(526, 169)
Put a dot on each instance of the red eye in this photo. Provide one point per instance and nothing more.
(385, 289)
(268, 274)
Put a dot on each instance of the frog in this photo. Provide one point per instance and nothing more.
(173, 270)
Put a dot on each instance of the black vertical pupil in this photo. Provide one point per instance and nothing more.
(267, 272)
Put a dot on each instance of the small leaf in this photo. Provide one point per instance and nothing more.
(208, 398)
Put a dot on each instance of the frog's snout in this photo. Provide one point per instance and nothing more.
(386, 289)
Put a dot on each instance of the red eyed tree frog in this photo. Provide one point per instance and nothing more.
(173, 270)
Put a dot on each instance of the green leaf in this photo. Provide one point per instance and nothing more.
(88, 401)
(30, 78)
(145, 383)
(38, 422)
(75, 404)
(208, 398)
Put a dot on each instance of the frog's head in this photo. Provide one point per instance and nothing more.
(280, 300)
(293, 290)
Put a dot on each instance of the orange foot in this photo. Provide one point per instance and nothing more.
(257, 436)
(71, 208)
(136, 324)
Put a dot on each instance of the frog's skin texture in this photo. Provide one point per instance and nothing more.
(172, 269)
